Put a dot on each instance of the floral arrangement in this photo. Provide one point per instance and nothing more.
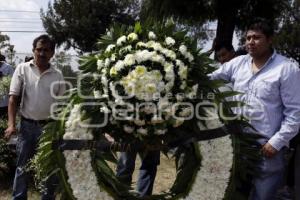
(146, 85)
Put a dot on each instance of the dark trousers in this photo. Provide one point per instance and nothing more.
(3, 112)
(147, 171)
(26, 148)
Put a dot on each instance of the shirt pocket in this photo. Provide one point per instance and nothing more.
(266, 90)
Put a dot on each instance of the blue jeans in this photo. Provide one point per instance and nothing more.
(270, 177)
(26, 148)
(147, 172)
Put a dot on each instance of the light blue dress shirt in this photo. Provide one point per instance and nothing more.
(272, 95)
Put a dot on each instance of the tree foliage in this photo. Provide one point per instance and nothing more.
(230, 14)
(4, 41)
(287, 39)
(79, 23)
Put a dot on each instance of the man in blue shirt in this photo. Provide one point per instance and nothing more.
(5, 70)
(269, 83)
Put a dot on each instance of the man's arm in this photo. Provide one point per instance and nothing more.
(290, 95)
(12, 111)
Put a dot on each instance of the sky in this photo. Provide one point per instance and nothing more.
(22, 15)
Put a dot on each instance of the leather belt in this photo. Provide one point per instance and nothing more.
(41, 122)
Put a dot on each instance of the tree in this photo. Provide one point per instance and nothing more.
(230, 14)
(287, 39)
(79, 23)
(4, 41)
(63, 61)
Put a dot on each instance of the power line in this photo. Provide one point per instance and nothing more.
(12, 31)
(25, 21)
(29, 18)
(27, 11)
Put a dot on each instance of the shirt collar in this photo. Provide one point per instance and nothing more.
(50, 69)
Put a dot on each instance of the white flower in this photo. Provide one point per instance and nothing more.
(151, 35)
(121, 40)
(183, 71)
(107, 62)
(132, 36)
(128, 129)
(109, 48)
(183, 49)
(178, 123)
(170, 41)
(100, 64)
(139, 122)
(142, 131)
(119, 65)
(160, 131)
(113, 71)
(186, 112)
(113, 57)
(129, 60)
(158, 58)
(97, 94)
(141, 44)
(190, 57)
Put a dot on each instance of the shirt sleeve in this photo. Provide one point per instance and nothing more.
(16, 82)
(290, 95)
(224, 72)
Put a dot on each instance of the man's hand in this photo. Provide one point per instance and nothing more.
(268, 150)
(9, 132)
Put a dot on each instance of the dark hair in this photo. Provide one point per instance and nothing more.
(241, 51)
(226, 45)
(44, 39)
(262, 25)
(2, 57)
(28, 58)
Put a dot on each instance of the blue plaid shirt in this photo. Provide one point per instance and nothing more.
(272, 95)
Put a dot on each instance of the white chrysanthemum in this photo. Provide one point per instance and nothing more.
(119, 65)
(128, 129)
(170, 41)
(183, 49)
(113, 57)
(141, 44)
(109, 48)
(213, 177)
(139, 122)
(97, 94)
(121, 40)
(100, 64)
(132, 37)
(107, 62)
(129, 60)
(151, 35)
(160, 131)
(82, 178)
(142, 131)
(183, 71)
(113, 71)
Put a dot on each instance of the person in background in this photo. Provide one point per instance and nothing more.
(224, 52)
(147, 172)
(5, 70)
(268, 83)
(28, 58)
(31, 82)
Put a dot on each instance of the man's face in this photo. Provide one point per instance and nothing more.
(257, 43)
(223, 55)
(42, 53)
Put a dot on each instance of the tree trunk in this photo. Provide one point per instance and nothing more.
(226, 15)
